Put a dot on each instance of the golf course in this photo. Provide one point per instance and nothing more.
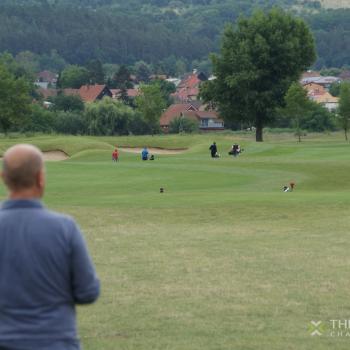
(223, 259)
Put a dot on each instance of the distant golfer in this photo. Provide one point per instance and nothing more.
(45, 268)
(144, 154)
(213, 150)
(115, 155)
(235, 150)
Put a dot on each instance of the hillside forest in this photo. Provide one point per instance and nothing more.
(172, 36)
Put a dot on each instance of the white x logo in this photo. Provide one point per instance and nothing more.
(315, 325)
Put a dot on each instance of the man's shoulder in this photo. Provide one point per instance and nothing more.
(40, 216)
(57, 217)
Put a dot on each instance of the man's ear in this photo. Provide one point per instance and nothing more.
(40, 179)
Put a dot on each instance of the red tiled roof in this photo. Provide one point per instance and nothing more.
(174, 111)
(185, 94)
(191, 81)
(207, 114)
(313, 88)
(89, 93)
(187, 110)
(133, 92)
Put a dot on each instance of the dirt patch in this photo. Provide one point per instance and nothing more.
(153, 150)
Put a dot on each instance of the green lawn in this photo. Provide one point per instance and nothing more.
(223, 259)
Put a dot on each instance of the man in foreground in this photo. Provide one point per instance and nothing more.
(45, 268)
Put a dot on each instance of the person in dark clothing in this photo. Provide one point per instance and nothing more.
(45, 267)
(213, 150)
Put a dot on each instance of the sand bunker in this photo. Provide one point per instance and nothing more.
(153, 150)
(55, 156)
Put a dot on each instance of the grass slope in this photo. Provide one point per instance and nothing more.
(223, 259)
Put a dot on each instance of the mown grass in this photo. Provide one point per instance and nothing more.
(223, 259)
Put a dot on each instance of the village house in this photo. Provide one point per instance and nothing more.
(326, 82)
(188, 89)
(310, 74)
(319, 94)
(46, 79)
(131, 93)
(314, 89)
(90, 93)
(327, 100)
(207, 120)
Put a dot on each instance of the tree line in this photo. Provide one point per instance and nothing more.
(160, 33)
(256, 72)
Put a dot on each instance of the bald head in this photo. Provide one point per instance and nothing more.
(23, 168)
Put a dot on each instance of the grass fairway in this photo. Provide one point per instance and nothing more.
(223, 259)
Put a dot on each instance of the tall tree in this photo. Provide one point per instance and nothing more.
(166, 88)
(259, 60)
(14, 100)
(121, 79)
(142, 72)
(151, 103)
(297, 106)
(344, 108)
(74, 77)
(96, 73)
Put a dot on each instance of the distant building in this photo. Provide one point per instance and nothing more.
(326, 82)
(327, 100)
(46, 77)
(131, 93)
(175, 81)
(188, 88)
(310, 74)
(90, 93)
(314, 89)
(207, 120)
(319, 94)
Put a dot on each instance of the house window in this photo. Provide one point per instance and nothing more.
(204, 122)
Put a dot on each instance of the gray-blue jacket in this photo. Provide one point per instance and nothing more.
(45, 269)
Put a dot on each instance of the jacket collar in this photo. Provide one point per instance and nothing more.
(21, 204)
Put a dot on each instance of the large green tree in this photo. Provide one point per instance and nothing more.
(259, 60)
(108, 117)
(151, 103)
(74, 77)
(14, 100)
(344, 108)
